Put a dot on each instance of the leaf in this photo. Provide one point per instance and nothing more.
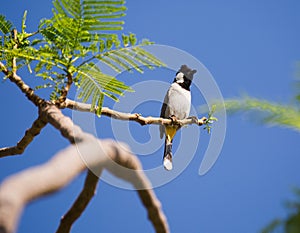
(29, 68)
(5, 25)
(132, 62)
(30, 54)
(148, 56)
(24, 21)
(132, 39)
(134, 56)
(47, 85)
(292, 224)
(93, 84)
(125, 40)
(99, 104)
(110, 63)
(109, 44)
(75, 26)
(36, 42)
(101, 46)
(68, 7)
(117, 60)
(272, 226)
(126, 58)
(267, 112)
(210, 119)
(78, 33)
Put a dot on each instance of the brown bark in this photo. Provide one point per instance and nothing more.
(83, 107)
(30, 133)
(16, 191)
(85, 152)
(80, 204)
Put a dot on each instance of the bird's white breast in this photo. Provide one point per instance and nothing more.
(178, 102)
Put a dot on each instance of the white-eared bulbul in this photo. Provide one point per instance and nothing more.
(176, 106)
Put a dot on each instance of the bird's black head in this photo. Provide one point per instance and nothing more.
(184, 77)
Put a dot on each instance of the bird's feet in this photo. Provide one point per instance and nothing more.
(194, 119)
(174, 120)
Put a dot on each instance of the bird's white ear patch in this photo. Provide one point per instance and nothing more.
(179, 77)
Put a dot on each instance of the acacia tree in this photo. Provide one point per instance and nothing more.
(64, 51)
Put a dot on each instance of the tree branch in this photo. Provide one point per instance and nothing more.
(66, 89)
(30, 133)
(32, 34)
(16, 191)
(13, 77)
(80, 204)
(3, 68)
(19, 189)
(14, 60)
(35, 99)
(131, 116)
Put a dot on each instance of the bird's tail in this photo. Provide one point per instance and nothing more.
(167, 160)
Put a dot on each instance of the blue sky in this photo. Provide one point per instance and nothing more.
(249, 47)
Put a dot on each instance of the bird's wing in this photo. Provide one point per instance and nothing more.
(163, 110)
(163, 115)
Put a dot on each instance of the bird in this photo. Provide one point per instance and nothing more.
(176, 106)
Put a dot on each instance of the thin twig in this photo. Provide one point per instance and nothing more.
(80, 204)
(30, 133)
(13, 77)
(15, 38)
(66, 89)
(131, 116)
(17, 190)
(31, 34)
(3, 68)
(35, 99)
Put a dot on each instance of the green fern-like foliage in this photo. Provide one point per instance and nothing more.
(292, 223)
(80, 34)
(5, 25)
(270, 113)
